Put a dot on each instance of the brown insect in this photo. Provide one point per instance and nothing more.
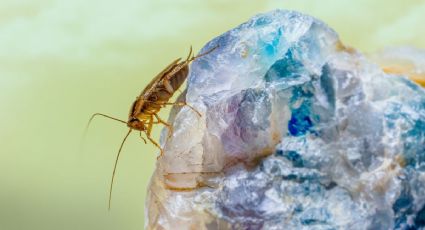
(156, 95)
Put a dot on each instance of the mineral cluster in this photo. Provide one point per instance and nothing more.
(297, 131)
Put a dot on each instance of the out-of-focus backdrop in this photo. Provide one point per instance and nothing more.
(62, 60)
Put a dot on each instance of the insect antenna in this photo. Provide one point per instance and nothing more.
(190, 54)
(203, 54)
(115, 168)
(88, 125)
(103, 115)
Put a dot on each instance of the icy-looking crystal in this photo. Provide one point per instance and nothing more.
(403, 60)
(297, 132)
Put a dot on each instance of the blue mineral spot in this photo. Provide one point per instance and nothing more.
(300, 178)
(263, 21)
(292, 177)
(315, 216)
(298, 208)
(310, 188)
(402, 207)
(303, 91)
(414, 148)
(294, 157)
(326, 83)
(403, 203)
(411, 84)
(392, 116)
(270, 49)
(279, 153)
(300, 121)
(331, 185)
(285, 68)
(420, 218)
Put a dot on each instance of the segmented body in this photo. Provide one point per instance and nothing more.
(158, 93)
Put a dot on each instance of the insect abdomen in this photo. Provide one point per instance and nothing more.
(177, 80)
(161, 94)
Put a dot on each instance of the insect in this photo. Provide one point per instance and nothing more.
(156, 95)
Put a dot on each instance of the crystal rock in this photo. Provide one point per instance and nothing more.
(297, 131)
(403, 60)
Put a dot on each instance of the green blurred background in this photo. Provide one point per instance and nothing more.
(62, 60)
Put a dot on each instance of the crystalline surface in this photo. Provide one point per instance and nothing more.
(297, 132)
(403, 60)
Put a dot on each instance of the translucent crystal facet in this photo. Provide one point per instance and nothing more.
(297, 132)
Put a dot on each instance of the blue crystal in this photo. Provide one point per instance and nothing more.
(300, 121)
(284, 69)
(292, 156)
(420, 218)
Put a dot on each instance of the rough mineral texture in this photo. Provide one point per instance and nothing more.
(297, 132)
(403, 60)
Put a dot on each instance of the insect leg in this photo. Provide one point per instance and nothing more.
(148, 135)
(183, 104)
(170, 127)
(156, 144)
(150, 124)
(142, 137)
